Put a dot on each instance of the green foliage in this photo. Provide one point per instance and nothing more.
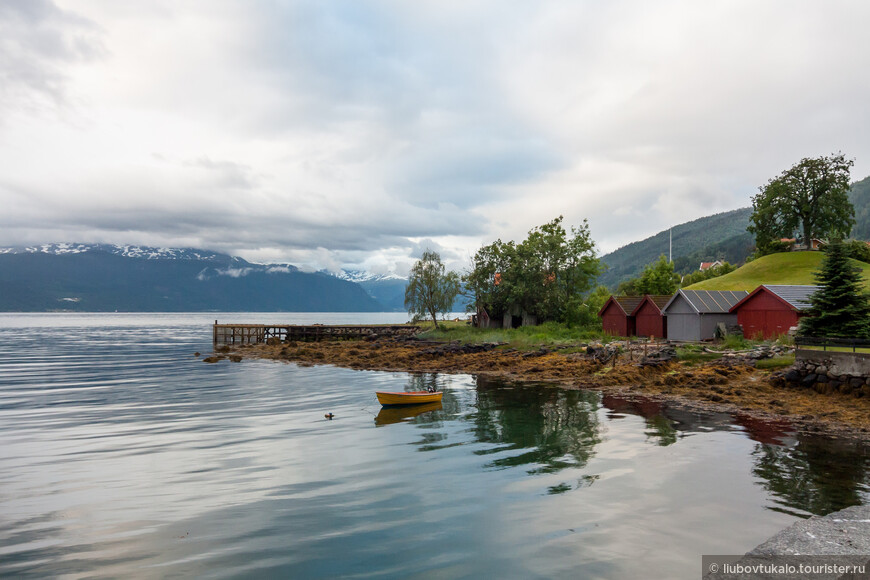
(628, 288)
(855, 249)
(707, 274)
(840, 308)
(430, 288)
(658, 278)
(546, 275)
(811, 197)
(584, 312)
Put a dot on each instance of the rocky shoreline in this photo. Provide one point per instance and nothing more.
(730, 383)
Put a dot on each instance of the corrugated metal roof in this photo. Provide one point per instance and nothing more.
(628, 303)
(797, 296)
(713, 301)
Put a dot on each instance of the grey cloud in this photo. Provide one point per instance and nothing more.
(334, 131)
(228, 175)
(38, 41)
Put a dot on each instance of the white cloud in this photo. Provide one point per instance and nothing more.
(346, 133)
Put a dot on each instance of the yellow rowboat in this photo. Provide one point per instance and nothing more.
(411, 398)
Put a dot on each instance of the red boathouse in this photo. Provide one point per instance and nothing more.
(648, 318)
(771, 310)
(616, 317)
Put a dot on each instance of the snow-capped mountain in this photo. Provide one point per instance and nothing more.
(387, 289)
(362, 276)
(146, 252)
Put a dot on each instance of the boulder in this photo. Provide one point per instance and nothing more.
(793, 376)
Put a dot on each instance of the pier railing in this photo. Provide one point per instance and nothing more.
(260, 333)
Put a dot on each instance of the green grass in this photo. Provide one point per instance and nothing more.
(776, 362)
(859, 349)
(691, 353)
(525, 337)
(784, 268)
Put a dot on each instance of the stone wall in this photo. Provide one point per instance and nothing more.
(842, 363)
(826, 373)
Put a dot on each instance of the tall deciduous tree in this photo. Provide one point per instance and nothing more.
(840, 307)
(811, 197)
(658, 278)
(546, 274)
(431, 289)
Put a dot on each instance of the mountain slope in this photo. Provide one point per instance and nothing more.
(784, 268)
(105, 278)
(722, 235)
(859, 195)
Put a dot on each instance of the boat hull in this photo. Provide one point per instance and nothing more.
(412, 398)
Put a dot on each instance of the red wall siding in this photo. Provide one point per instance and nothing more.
(766, 315)
(650, 322)
(615, 322)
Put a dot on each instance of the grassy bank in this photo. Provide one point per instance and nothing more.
(525, 337)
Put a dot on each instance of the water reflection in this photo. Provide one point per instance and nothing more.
(817, 475)
(553, 428)
(396, 414)
(547, 429)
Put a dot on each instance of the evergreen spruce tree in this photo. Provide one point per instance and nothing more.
(840, 307)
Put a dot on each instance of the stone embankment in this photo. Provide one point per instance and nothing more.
(824, 377)
(835, 546)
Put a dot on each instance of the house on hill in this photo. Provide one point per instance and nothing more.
(707, 265)
(771, 310)
(648, 317)
(616, 315)
(695, 314)
(796, 246)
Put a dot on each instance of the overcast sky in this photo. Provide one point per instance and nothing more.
(356, 133)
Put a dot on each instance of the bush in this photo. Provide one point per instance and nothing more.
(735, 342)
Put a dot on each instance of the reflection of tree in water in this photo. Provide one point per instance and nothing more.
(817, 475)
(661, 428)
(558, 428)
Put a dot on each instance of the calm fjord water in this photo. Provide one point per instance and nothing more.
(123, 455)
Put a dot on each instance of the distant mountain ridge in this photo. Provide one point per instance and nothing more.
(99, 277)
(128, 251)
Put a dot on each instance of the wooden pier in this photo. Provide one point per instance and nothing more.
(259, 333)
